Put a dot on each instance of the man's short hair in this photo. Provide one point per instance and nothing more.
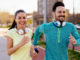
(58, 3)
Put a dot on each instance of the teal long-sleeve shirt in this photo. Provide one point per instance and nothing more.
(57, 40)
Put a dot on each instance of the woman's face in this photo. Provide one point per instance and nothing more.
(21, 19)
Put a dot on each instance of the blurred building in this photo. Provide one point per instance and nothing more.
(49, 5)
(67, 15)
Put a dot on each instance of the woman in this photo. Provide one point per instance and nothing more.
(19, 38)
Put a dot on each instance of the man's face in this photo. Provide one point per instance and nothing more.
(60, 13)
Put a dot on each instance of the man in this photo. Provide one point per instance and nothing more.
(58, 34)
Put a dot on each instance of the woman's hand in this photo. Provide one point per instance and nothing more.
(34, 54)
(25, 40)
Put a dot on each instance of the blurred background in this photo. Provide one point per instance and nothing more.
(36, 9)
(37, 13)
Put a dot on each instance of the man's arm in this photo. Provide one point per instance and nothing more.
(37, 34)
(75, 38)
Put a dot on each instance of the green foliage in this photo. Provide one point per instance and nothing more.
(73, 55)
(42, 43)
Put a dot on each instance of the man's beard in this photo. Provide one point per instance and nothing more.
(59, 18)
(61, 21)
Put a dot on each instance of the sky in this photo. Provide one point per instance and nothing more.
(31, 5)
(14, 5)
(69, 5)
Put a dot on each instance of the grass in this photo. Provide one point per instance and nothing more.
(73, 55)
(42, 44)
(79, 31)
(4, 26)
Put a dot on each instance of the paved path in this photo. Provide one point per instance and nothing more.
(3, 54)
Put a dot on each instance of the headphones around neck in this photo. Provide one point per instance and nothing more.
(58, 23)
(20, 31)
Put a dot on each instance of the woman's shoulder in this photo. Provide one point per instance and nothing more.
(10, 33)
(11, 30)
(30, 30)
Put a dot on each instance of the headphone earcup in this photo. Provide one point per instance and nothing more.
(57, 23)
(64, 23)
(26, 30)
(20, 31)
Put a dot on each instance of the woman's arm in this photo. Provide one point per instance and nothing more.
(9, 44)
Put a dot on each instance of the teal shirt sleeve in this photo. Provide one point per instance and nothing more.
(76, 35)
(37, 34)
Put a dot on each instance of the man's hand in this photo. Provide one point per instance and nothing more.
(72, 40)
